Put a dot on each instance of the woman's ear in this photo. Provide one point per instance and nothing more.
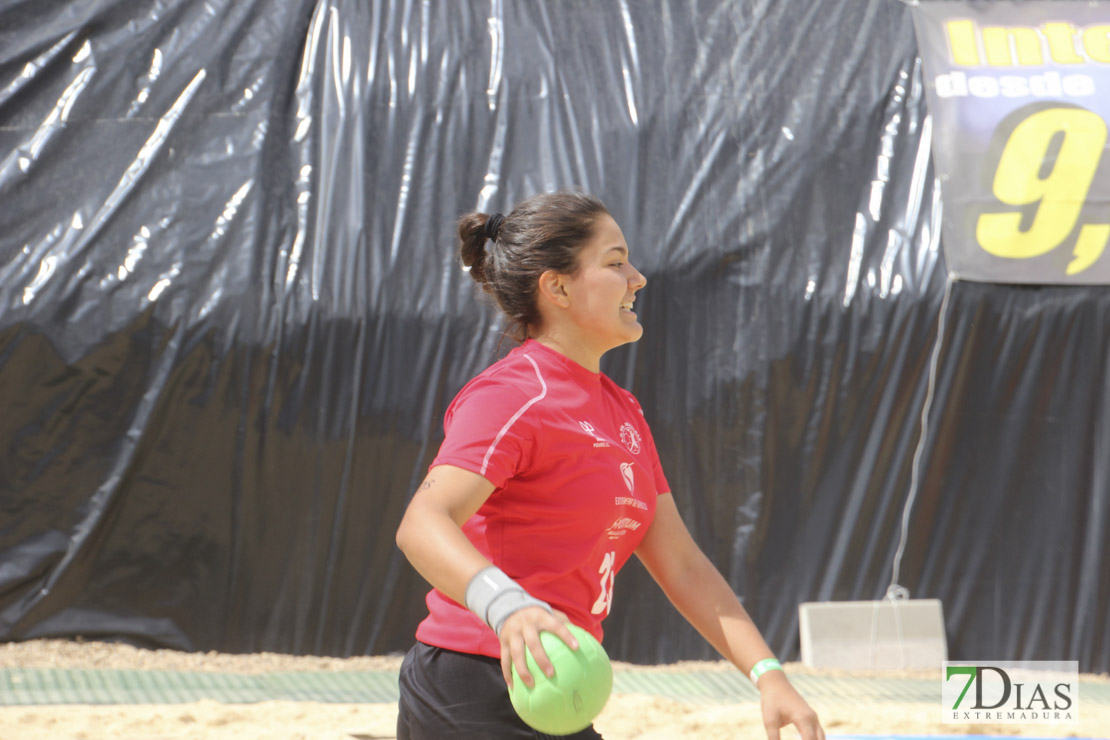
(552, 288)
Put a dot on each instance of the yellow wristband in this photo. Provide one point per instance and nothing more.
(767, 664)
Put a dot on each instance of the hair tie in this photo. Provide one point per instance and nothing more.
(493, 226)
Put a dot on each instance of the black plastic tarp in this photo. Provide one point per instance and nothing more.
(231, 317)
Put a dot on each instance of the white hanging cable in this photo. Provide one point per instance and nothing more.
(896, 592)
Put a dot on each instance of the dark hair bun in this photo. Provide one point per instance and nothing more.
(472, 244)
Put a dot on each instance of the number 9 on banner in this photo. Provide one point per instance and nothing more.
(1029, 175)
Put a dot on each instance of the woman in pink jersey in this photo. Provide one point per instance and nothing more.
(547, 481)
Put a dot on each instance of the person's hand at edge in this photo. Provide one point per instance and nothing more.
(782, 706)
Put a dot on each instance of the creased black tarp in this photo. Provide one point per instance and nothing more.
(231, 319)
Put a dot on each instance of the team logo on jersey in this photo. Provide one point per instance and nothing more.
(589, 429)
(629, 480)
(631, 438)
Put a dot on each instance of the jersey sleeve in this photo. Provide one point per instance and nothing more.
(488, 431)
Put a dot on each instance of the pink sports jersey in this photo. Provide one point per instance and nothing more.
(576, 476)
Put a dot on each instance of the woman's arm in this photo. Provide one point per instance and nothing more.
(431, 537)
(430, 534)
(702, 595)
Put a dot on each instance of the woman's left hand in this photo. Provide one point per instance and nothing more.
(782, 706)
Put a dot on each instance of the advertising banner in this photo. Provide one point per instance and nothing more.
(1019, 95)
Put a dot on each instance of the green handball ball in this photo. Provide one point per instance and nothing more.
(570, 700)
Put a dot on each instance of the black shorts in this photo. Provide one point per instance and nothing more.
(445, 694)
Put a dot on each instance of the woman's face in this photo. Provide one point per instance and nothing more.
(604, 288)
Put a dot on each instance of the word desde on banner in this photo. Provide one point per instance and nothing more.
(1047, 85)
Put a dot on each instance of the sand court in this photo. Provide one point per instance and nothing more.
(90, 691)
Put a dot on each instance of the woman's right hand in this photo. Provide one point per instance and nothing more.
(522, 629)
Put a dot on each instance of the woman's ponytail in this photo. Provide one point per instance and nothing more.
(472, 245)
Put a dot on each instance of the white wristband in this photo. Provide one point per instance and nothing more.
(493, 596)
